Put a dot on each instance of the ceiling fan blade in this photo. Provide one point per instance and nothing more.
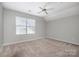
(45, 5)
(40, 7)
(46, 12)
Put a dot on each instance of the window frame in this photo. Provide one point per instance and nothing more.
(26, 26)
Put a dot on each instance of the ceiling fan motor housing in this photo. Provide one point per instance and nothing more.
(43, 9)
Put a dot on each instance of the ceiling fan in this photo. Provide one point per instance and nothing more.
(43, 9)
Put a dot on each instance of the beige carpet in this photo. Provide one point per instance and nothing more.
(40, 48)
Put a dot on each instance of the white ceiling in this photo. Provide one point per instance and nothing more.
(56, 10)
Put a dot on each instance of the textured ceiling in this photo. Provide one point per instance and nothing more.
(55, 10)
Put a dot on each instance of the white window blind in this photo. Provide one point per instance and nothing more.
(25, 26)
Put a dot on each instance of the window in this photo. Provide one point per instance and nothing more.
(30, 26)
(25, 26)
(20, 25)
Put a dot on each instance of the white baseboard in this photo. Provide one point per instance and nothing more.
(6, 44)
(63, 40)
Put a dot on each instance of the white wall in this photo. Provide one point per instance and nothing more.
(1, 26)
(64, 29)
(10, 27)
